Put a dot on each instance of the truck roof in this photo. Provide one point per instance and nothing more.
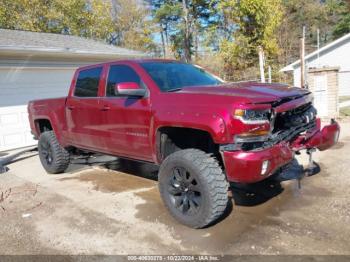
(137, 60)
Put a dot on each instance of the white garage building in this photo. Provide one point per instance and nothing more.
(336, 54)
(40, 65)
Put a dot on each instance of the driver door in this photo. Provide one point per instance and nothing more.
(126, 119)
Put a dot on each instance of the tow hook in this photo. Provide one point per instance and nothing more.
(311, 167)
(295, 171)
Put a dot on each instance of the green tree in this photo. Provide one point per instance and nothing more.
(132, 25)
(182, 22)
(297, 15)
(166, 15)
(255, 23)
(311, 14)
(77, 17)
(342, 26)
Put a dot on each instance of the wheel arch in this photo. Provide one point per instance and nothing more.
(177, 137)
(43, 124)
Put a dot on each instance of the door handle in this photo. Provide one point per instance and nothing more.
(105, 108)
(70, 107)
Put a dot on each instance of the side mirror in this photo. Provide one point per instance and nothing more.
(129, 89)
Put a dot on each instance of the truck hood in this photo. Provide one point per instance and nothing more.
(254, 92)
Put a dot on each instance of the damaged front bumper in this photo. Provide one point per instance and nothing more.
(253, 166)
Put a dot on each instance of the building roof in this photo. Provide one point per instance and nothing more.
(49, 43)
(339, 41)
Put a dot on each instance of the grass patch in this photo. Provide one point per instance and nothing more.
(345, 111)
(344, 98)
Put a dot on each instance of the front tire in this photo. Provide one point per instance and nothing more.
(193, 187)
(53, 157)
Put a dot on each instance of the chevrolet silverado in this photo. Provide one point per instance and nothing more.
(202, 132)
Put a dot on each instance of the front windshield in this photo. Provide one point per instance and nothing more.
(172, 76)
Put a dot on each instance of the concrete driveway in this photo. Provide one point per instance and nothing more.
(113, 207)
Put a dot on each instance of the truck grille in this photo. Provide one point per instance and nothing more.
(287, 126)
(295, 117)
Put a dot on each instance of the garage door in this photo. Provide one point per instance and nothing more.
(17, 87)
(14, 128)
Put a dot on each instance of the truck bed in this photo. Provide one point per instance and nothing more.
(52, 108)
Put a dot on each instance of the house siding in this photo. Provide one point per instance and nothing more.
(330, 104)
(37, 65)
(336, 56)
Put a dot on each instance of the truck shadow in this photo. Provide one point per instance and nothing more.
(255, 194)
(242, 194)
(135, 168)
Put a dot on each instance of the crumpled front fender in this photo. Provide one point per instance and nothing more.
(321, 139)
(247, 166)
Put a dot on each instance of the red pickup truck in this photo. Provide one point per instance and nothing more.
(203, 133)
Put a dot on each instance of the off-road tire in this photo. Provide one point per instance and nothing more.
(53, 157)
(209, 179)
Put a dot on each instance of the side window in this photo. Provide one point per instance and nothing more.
(87, 82)
(118, 74)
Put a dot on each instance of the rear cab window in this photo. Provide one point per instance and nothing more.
(88, 82)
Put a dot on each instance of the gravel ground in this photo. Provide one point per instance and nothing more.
(114, 208)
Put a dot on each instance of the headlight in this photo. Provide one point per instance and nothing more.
(251, 116)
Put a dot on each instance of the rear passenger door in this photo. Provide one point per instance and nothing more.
(83, 110)
(126, 120)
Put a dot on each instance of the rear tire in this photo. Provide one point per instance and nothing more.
(193, 187)
(53, 157)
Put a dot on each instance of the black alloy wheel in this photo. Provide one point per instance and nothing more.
(54, 158)
(184, 190)
(193, 187)
(46, 151)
